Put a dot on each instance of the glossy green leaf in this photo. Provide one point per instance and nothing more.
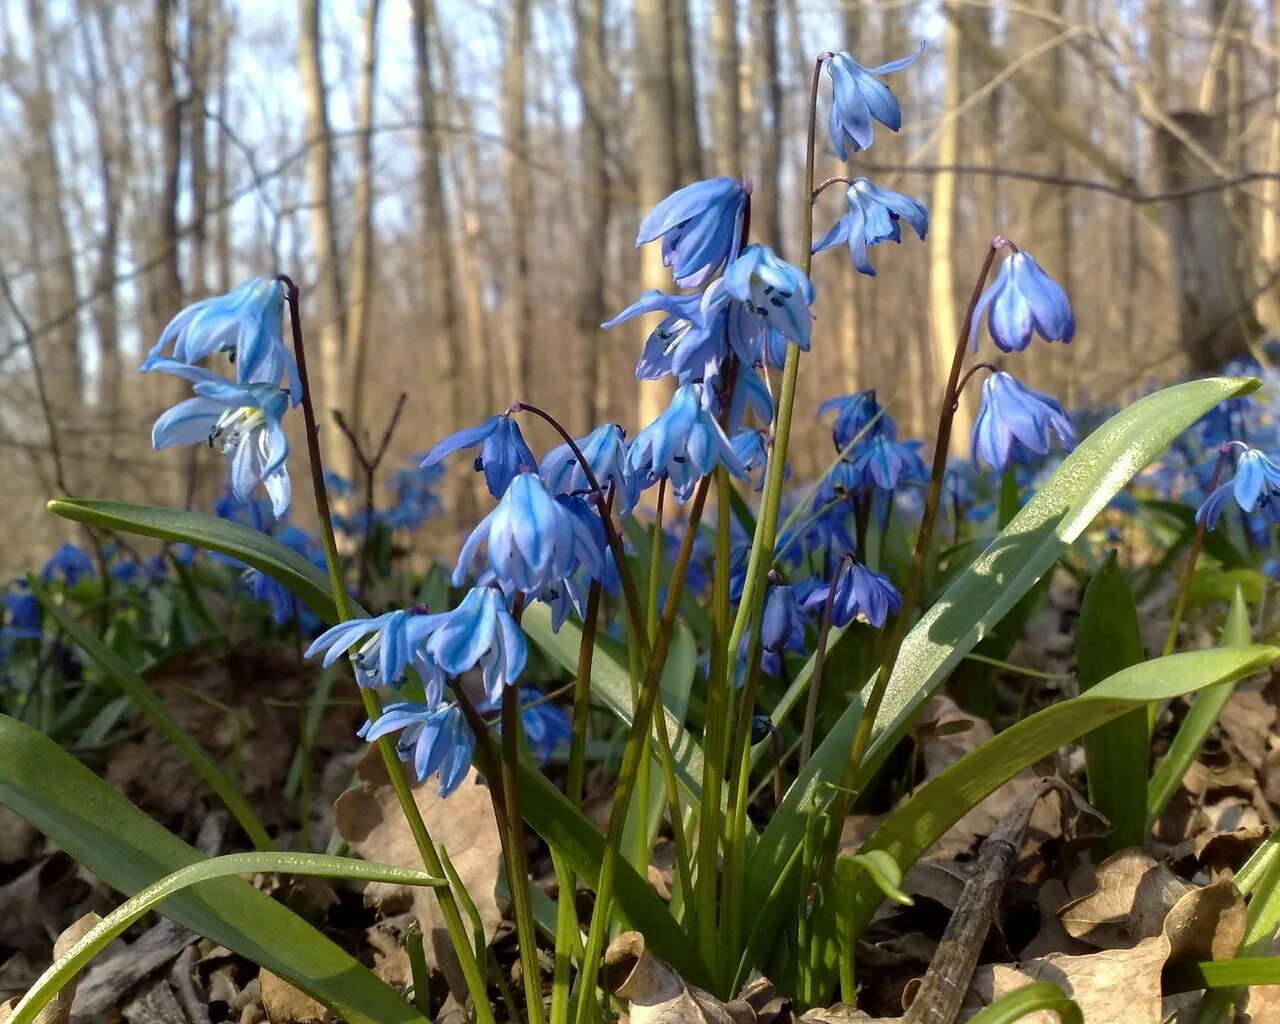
(111, 927)
(1109, 639)
(98, 827)
(1220, 974)
(1024, 551)
(925, 817)
(145, 700)
(1039, 995)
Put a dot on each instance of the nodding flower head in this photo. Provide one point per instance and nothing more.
(875, 215)
(700, 226)
(533, 539)
(883, 462)
(768, 289)
(392, 643)
(859, 99)
(858, 416)
(1024, 300)
(245, 421)
(605, 450)
(480, 632)
(1255, 488)
(783, 620)
(245, 323)
(435, 738)
(502, 456)
(859, 594)
(684, 444)
(1014, 423)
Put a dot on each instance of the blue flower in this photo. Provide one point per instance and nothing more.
(1014, 423)
(1255, 487)
(883, 462)
(413, 500)
(700, 226)
(753, 453)
(874, 216)
(69, 563)
(858, 99)
(23, 613)
(245, 420)
(771, 290)
(605, 450)
(479, 632)
(394, 642)
(436, 738)
(533, 539)
(546, 726)
(246, 323)
(860, 594)
(783, 621)
(857, 414)
(684, 444)
(1023, 299)
(686, 344)
(503, 455)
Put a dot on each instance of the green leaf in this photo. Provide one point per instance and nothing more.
(1039, 995)
(71, 963)
(126, 849)
(926, 816)
(979, 598)
(145, 700)
(1204, 712)
(880, 867)
(1108, 639)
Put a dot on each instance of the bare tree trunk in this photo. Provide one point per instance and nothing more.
(329, 303)
(683, 109)
(766, 202)
(167, 290)
(593, 88)
(1269, 229)
(361, 276)
(221, 176)
(519, 197)
(726, 103)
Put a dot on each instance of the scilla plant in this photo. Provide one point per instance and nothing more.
(833, 623)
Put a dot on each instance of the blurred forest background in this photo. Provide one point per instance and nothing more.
(456, 186)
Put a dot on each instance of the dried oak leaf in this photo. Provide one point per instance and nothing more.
(285, 1004)
(656, 994)
(58, 1009)
(368, 817)
(1132, 897)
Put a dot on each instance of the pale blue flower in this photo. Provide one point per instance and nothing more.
(769, 289)
(503, 453)
(875, 216)
(700, 226)
(605, 450)
(392, 643)
(1255, 488)
(687, 343)
(883, 462)
(1022, 301)
(481, 633)
(859, 99)
(435, 738)
(1014, 423)
(684, 444)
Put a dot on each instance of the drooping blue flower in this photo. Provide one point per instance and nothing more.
(246, 323)
(394, 642)
(1255, 487)
(875, 216)
(1022, 301)
(1014, 423)
(686, 344)
(859, 594)
(69, 564)
(884, 462)
(768, 289)
(413, 500)
(753, 453)
(859, 99)
(479, 632)
(434, 737)
(605, 450)
(856, 414)
(546, 726)
(533, 539)
(782, 623)
(246, 421)
(503, 454)
(684, 444)
(700, 226)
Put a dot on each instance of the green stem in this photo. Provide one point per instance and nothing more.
(640, 728)
(373, 709)
(819, 662)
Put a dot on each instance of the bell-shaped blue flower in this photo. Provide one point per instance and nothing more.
(685, 344)
(546, 726)
(875, 215)
(700, 226)
(246, 323)
(1014, 423)
(883, 462)
(392, 642)
(605, 450)
(859, 594)
(1022, 301)
(532, 539)
(480, 632)
(767, 288)
(503, 453)
(435, 738)
(684, 444)
(783, 620)
(68, 563)
(753, 453)
(859, 99)
(1255, 488)
(857, 416)
(246, 421)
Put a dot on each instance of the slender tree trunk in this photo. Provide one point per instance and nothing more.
(683, 111)
(329, 304)
(167, 290)
(361, 274)
(519, 193)
(727, 104)
(766, 202)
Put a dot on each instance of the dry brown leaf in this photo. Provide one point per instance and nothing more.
(369, 818)
(58, 1009)
(1248, 720)
(1132, 898)
(940, 747)
(656, 994)
(285, 1004)
(842, 1013)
